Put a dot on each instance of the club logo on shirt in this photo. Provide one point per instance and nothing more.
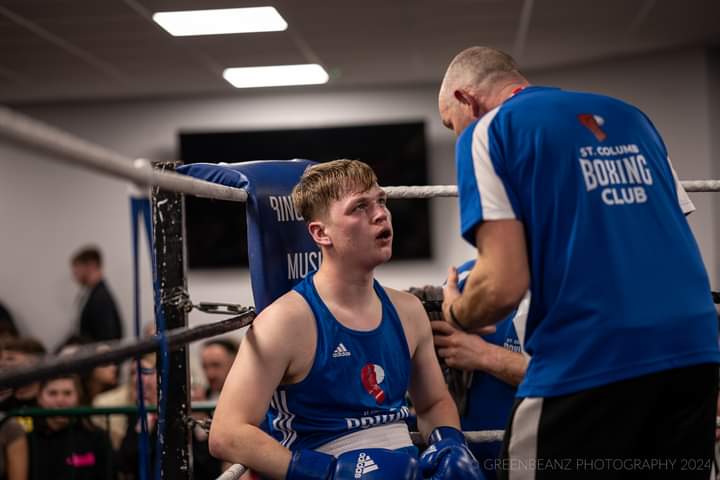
(593, 123)
(372, 376)
(621, 172)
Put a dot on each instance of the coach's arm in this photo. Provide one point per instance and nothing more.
(497, 282)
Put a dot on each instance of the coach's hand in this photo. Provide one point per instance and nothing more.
(448, 457)
(451, 293)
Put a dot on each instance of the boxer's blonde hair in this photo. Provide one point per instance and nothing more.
(326, 182)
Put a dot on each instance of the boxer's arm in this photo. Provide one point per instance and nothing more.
(262, 361)
(429, 394)
(498, 280)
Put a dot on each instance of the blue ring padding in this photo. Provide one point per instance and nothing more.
(280, 249)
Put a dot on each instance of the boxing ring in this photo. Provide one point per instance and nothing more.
(168, 188)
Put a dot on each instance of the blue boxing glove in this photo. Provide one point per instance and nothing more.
(376, 464)
(310, 465)
(448, 457)
(365, 464)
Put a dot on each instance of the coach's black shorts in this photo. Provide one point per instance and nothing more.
(660, 425)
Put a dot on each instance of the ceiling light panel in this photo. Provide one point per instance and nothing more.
(276, 76)
(221, 21)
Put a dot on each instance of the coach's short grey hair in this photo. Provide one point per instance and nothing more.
(478, 67)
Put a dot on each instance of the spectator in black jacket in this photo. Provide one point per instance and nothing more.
(99, 316)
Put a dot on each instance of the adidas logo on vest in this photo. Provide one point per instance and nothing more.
(364, 465)
(341, 351)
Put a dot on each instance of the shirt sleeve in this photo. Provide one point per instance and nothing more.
(686, 204)
(482, 193)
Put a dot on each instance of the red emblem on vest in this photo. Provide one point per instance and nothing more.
(372, 376)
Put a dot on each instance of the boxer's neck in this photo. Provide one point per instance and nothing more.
(345, 285)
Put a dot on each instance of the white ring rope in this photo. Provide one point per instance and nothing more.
(485, 436)
(37, 135)
(34, 134)
(701, 185)
(428, 191)
(233, 473)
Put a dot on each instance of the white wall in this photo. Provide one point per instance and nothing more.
(49, 209)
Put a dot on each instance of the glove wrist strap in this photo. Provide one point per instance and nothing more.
(446, 432)
(310, 465)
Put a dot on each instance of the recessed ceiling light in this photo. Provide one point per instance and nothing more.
(218, 21)
(276, 76)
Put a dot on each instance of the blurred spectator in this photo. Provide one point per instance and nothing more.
(66, 447)
(13, 450)
(100, 379)
(7, 324)
(205, 467)
(128, 454)
(18, 353)
(121, 396)
(217, 357)
(71, 345)
(99, 316)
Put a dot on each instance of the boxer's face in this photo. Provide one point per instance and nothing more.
(360, 226)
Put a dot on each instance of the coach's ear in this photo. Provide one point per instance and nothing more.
(318, 233)
(468, 100)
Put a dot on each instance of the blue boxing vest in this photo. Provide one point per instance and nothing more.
(358, 379)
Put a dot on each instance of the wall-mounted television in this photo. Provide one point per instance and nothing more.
(216, 230)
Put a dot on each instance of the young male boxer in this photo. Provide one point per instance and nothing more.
(334, 357)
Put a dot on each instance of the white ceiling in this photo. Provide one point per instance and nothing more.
(58, 50)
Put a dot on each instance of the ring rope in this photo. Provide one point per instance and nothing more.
(34, 134)
(233, 473)
(88, 358)
(432, 191)
(40, 136)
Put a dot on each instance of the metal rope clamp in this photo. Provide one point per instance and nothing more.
(177, 298)
(220, 308)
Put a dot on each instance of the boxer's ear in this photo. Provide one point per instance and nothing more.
(319, 234)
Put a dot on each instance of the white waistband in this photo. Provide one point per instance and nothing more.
(392, 436)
